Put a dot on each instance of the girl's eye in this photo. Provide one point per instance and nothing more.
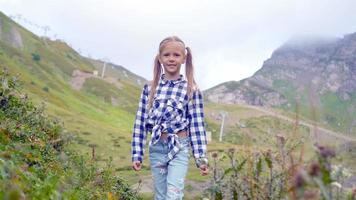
(174, 54)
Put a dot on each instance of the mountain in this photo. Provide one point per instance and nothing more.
(317, 74)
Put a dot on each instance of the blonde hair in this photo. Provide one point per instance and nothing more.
(157, 70)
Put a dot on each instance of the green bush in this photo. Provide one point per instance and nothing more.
(45, 88)
(36, 57)
(35, 161)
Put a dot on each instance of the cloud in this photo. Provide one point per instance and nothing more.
(230, 39)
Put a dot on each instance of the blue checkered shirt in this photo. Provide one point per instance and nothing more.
(171, 112)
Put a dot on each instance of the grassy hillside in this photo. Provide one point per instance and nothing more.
(45, 68)
(245, 126)
(118, 71)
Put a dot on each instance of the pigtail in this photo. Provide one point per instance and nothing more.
(189, 73)
(157, 70)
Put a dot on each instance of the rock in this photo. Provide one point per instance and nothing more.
(15, 38)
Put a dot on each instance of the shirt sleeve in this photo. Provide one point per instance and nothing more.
(139, 130)
(197, 128)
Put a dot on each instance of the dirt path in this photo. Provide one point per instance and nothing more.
(316, 129)
(194, 188)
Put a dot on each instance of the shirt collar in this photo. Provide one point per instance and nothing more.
(164, 80)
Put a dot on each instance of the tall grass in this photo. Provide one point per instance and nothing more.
(279, 172)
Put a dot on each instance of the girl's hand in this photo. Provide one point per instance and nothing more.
(136, 165)
(204, 170)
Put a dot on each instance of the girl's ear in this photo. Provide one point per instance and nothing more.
(185, 58)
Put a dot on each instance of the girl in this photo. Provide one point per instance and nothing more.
(171, 108)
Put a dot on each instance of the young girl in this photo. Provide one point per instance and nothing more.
(171, 108)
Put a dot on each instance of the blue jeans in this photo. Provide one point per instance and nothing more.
(168, 177)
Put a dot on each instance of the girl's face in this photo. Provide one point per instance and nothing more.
(172, 57)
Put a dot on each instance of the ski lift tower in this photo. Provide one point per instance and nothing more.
(223, 114)
(105, 60)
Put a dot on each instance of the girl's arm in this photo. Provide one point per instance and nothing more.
(139, 131)
(197, 128)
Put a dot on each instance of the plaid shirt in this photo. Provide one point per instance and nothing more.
(171, 112)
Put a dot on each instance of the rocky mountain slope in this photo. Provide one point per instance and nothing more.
(317, 74)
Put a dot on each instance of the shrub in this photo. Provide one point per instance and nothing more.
(45, 88)
(35, 161)
(36, 57)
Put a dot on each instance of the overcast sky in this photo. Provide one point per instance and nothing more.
(229, 39)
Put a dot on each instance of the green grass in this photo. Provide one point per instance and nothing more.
(332, 112)
(342, 119)
(286, 88)
(113, 95)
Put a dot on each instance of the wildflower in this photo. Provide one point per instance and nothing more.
(214, 155)
(314, 169)
(326, 152)
(268, 153)
(231, 151)
(299, 179)
(339, 171)
(336, 184)
(110, 196)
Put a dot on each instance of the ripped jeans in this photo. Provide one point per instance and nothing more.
(169, 177)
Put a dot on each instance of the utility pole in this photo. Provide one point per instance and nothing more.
(222, 114)
(105, 60)
(103, 72)
(46, 29)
